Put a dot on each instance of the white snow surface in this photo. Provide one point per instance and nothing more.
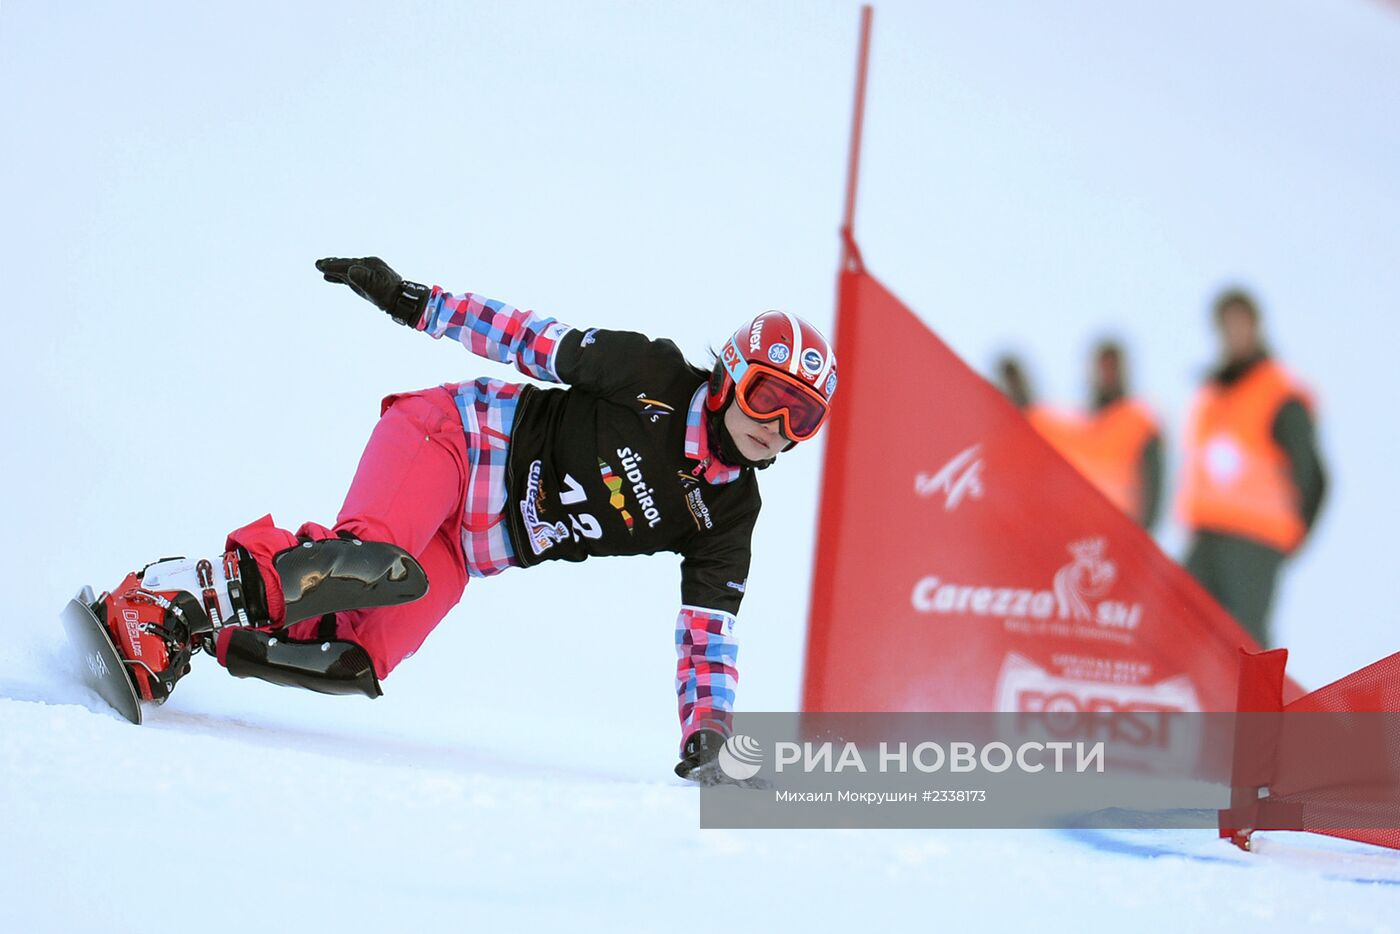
(278, 816)
(1034, 174)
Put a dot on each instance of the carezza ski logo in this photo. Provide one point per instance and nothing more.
(1076, 594)
(959, 479)
(543, 535)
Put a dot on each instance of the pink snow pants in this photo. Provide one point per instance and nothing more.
(409, 490)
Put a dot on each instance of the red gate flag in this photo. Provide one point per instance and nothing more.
(963, 565)
(1318, 778)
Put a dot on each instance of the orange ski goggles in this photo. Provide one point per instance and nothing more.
(764, 395)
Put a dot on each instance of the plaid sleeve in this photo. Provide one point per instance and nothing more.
(705, 670)
(496, 331)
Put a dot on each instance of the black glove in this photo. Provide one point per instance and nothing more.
(373, 280)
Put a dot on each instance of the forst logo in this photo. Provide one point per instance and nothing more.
(1064, 706)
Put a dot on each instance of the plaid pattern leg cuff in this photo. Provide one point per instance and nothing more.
(706, 676)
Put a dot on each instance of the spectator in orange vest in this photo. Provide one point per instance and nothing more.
(1119, 446)
(1254, 478)
(1054, 426)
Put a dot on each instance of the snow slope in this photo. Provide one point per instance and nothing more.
(232, 823)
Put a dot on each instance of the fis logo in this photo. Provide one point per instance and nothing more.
(653, 407)
(959, 479)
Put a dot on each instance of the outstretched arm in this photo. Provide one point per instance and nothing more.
(488, 328)
(598, 360)
(496, 331)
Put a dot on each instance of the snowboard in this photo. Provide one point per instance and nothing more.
(102, 668)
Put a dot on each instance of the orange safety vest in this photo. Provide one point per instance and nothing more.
(1238, 479)
(1059, 427)
(1108, 450)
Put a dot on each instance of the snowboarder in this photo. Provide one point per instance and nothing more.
(645, 453)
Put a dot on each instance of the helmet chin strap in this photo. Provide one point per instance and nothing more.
(722, 443)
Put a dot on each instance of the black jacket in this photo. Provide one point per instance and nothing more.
(602, 468)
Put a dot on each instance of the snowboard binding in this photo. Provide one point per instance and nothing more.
(157, 623)
(159, 617)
